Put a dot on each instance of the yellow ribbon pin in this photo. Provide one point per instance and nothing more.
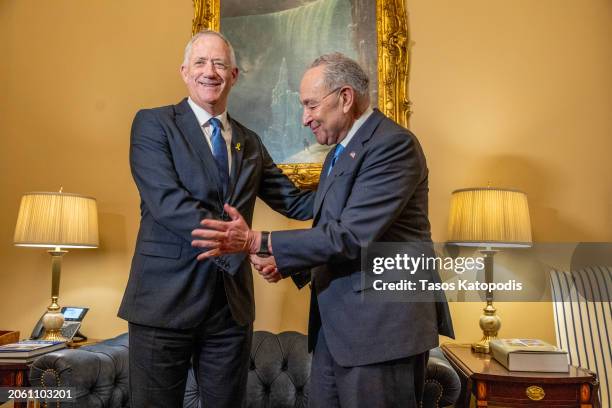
(238, 146)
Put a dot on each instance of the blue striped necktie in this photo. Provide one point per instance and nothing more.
(337, 153)
(219, 150)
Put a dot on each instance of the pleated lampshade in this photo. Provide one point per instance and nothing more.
(489, 217)
(57, 220)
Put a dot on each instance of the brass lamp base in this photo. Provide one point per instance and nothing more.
(483, 345)
(490, 324)
(54, 335)
(53, 321)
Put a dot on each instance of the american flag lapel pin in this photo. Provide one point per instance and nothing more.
(352, 154)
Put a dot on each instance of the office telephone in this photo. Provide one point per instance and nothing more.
(73, 316)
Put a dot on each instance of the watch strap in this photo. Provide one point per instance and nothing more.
(263, 246)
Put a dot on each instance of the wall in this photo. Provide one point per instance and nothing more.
(515, 93)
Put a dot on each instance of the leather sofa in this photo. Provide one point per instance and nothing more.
(278, 374)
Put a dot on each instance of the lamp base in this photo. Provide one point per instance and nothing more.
(53, 321)
(483, 345)
(490, 324)
(54, 335)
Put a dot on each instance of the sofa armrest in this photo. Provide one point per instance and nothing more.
(98, 373)
(442, 384)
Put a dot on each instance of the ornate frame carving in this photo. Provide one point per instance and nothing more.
(393, 49)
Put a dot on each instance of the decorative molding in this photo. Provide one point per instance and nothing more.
(393, 60)
(303, 175)
(207, 15)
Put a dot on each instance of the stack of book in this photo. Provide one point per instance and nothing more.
(529, 355)
(27, 350)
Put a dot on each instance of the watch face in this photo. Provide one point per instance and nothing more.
(263, 246)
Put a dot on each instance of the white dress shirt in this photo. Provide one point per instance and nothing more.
(356, 125)
(226, 130)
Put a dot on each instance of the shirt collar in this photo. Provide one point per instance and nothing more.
(203, 116)
(356, 125)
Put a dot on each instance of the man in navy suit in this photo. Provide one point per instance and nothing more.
(188, 160)
(373, 188)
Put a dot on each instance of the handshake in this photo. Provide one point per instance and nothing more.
(230, 237)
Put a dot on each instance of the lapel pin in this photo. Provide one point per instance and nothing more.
(238, 146)
(352, 154)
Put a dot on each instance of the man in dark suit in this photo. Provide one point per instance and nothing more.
(187, 161)
(373, 188)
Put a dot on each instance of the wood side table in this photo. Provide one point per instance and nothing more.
(15, 375)
(18, 374)
(493, 385)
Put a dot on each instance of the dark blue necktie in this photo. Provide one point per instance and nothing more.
(337, 153)
(219, 150)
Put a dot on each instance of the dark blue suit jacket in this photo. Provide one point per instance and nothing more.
(376, 192)
(179, 186)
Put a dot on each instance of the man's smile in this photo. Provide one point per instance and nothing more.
(208, 84)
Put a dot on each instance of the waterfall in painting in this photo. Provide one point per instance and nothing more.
(273, 51)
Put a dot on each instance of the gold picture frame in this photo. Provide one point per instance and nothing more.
(393, 59)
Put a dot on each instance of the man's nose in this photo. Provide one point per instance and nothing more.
(306, 118)
(209, 69)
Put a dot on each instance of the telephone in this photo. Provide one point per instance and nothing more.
(73, 316)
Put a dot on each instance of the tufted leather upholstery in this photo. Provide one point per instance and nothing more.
(442, 384)
(99, 373)
(278, 374)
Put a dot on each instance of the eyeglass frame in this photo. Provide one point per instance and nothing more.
(312, 108)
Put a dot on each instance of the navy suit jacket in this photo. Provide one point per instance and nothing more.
(376, 192)
(179, 185)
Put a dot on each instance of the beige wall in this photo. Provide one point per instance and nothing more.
(515, 93)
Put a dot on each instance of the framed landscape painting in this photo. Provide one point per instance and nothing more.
(276, 40)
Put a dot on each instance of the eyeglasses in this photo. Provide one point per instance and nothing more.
(218, 65)
(312, 105)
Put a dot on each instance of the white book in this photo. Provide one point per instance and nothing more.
(529, 355)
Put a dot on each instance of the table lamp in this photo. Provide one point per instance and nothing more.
(56, 220)
(489, 218)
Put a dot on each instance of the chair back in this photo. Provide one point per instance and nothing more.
(583, 320)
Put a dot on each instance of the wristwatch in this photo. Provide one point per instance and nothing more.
(263, 251)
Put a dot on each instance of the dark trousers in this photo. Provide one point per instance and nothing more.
(390, 384)
(160, 359)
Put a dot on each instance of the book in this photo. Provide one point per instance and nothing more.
(16, 360)
(29, 348)
(529, 355)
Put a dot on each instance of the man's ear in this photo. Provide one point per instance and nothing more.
(234, 75)
(347, 97)
(183, 71)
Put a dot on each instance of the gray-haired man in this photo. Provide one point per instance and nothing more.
(188, 160)
(373, 188)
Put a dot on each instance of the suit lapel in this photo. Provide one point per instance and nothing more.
(322, 183)
(346, 161)
(189, 126)
(237, 151)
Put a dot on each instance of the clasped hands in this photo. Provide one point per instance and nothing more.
(230, 237)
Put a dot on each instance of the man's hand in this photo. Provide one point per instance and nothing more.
(225, 237)
(267, 268)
